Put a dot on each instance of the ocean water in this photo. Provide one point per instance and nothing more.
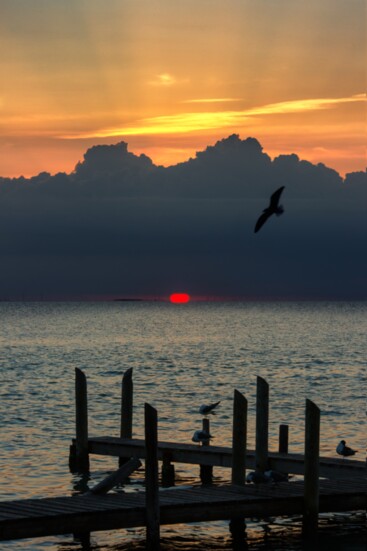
(182, 356)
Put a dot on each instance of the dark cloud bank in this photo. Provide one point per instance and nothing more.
(119, 225)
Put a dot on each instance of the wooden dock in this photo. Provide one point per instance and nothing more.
(67, 515)
(221, 456)
(329, 484)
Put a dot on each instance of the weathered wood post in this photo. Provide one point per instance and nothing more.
(81, 422)
(237, 526)
(115, 478)
(262, 425)
(283, 439)
(239, 436)
(126, 425)
(311, 480)
(206, 471)
(151, 478)
(168, 471)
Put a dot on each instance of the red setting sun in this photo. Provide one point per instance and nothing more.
(179, 298)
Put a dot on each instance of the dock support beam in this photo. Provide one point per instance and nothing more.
(126, 425)
(311, 480)
(151, 479)
(237, 526)
(262, 425)
(206, 471)
(79, 457)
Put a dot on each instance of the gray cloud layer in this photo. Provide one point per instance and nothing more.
(119, 225)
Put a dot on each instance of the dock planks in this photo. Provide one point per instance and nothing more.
(64, 515)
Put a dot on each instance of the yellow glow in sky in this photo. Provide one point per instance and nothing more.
(171, 78)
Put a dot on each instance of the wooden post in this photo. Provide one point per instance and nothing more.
(283, 439)
(168, 471)
(206, 471)
(311, 480)
(81, 419)
(151, 478)
(262, 425)
(239, 435)
(126, 425)
(237, 526)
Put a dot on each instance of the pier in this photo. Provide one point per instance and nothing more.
(329, 484)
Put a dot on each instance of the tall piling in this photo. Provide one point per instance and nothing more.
(126, 423)
(262, 425)
(151, 479)
(81, 462)
(239, 436)
(311, 480)
(237, 525)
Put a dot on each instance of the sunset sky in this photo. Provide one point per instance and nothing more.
(172, 77)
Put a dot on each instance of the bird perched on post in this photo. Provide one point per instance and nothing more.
(273, 208)
(201, 436)
(206, 409)
(344, 450)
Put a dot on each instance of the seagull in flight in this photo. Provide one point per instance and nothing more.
(206, 409)
(201, 436)
(273, 208)
(344, 450)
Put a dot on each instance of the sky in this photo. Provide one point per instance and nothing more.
(121, 226)
(171, 78)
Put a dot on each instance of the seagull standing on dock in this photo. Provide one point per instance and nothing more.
(273, 208)
(343, 450)
(201, 436)
(208, 409)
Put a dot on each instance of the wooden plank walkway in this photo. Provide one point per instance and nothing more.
(221, 456)
(66, 515)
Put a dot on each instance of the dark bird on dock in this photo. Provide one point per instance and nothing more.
(201, 436)
(206, 409)
(273, 208)
(257, 477)
(344, 450)
(276, 476)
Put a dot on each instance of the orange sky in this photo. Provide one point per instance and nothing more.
(172, 77)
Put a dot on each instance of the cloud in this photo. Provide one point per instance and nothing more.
(211, 100)
(120, 225)
(209, 120)
(163, 79)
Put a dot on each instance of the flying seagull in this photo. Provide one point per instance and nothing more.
(201, 436)
(273, 208)
(343, 450)
(206, 409)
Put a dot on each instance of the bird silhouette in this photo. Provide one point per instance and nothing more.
(206, 409)
(344, 450)
(273, 208)
(201, 436)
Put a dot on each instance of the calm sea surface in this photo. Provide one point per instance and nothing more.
(183, 356)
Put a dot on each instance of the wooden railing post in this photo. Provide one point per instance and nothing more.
(206, 471)
(262, 424)
(283, 439)
(151, 479)
(126, 425)
(311, 479)
(81, 422)
(237, 526)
